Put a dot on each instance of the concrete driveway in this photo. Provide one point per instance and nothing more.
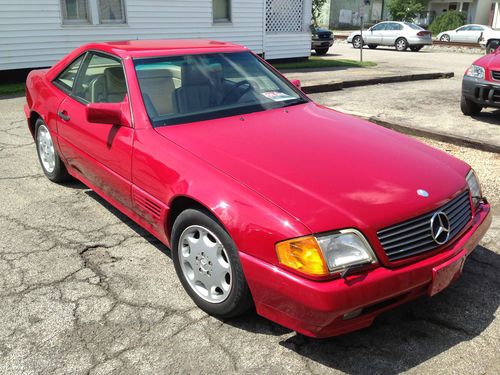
(84, 290)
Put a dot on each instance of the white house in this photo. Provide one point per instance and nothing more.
(476, 11)
(37, 33)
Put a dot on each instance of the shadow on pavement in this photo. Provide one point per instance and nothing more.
(399, 339)
(131, 224)
(491, 117)
(411, 334)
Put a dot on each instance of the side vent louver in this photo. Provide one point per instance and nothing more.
(147, 205)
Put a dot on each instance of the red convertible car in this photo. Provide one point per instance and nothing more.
(266, 199)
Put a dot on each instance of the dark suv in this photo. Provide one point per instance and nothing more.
(481, 85)
(322, 40)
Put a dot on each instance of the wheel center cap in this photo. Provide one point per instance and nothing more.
(204, 264)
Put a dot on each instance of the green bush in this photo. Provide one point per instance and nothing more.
(447, 21)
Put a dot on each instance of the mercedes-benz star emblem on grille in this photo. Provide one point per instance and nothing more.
(422, 193)
(440, 227)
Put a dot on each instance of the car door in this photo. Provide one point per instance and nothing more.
(462, 35)
(374, 34)
(476, 32)
(100, 153)
(391, 33)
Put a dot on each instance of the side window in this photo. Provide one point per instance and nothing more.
(398, 26)
(465, 28)
(102, 80)
(379, 27)
(66, 79)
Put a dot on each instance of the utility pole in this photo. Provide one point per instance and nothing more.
(362, 7)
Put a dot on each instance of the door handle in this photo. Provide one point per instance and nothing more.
(63, 115)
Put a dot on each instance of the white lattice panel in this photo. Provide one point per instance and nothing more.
(284, 16)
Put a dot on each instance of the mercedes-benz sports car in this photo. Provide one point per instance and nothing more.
(267, 200)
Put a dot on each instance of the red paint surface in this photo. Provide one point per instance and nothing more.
(275, 175)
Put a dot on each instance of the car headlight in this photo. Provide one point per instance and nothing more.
(324, 254)
(475, 71)
(474, 187)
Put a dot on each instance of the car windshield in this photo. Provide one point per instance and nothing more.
(187, 88)
(413, 26)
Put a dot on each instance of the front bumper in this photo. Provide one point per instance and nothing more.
(321, 43)
(318, 309)
(482, 92)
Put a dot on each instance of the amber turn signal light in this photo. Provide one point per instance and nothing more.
(302, 254)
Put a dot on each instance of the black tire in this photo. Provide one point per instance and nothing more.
(401, 44)
(445, 38)
(321, 51)
(239, 299)
(492, 46)
(59, 173)
(416, 48)
(372, 46)
(357, 42)
(469, 108)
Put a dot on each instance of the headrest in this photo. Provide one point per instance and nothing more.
(154, 74)
(193, 75)
(115, 79)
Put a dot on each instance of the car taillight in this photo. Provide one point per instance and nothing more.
(423, 33)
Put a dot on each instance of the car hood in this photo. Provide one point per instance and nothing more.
(327, 169)
(490, 61)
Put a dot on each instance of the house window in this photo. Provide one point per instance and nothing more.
(111, 11)
(75, 11)
(222, 10)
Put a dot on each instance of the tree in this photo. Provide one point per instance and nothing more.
(447, 21)
(317, 6)
(406, 10)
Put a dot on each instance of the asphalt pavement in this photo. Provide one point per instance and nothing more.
(432, 105)
(84, 290)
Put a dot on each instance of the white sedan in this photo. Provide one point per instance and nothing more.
(463, 34)
(398, 34)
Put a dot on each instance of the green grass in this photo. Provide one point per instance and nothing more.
(319, 62)
(12, 88)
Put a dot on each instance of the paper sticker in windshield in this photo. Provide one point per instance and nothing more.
(277, 96)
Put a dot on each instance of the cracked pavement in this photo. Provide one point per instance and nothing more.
(84, 290)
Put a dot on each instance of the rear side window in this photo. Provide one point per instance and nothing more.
(101, 80)
(66, 79)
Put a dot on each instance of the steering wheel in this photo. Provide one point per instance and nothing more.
(229, 94)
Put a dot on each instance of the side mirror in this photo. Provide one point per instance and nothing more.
(109, 113)
(296, 83)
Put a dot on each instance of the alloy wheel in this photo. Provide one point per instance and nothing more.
(205, 264)
(356, 42)
(46, 148)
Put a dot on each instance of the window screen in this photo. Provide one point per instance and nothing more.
(75, 11)
(111, 11)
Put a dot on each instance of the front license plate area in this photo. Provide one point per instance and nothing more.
(444, 274)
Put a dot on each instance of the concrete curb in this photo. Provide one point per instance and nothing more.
(340, 85)
(436, 135)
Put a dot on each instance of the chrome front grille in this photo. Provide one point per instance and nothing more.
(495, 74)
(414, 236)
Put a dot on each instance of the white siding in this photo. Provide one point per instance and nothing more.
(32, 34)
(288, 45)
(281, 46)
